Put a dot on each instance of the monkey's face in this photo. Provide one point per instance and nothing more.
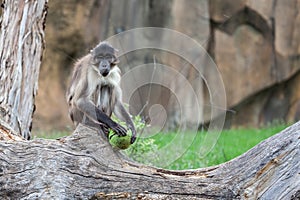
(104, 58)
(104, 64)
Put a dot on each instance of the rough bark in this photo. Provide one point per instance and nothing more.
(84, 166)
(21, 48)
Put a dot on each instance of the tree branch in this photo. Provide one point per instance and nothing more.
(84, 165)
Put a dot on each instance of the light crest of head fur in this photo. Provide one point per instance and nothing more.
(104, 45)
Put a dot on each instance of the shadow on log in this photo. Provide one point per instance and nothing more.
(84, 166)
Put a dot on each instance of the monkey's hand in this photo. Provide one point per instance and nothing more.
(133, 131)
(118, 129)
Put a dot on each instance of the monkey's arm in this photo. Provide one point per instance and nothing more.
(96, 115)
(123, 115)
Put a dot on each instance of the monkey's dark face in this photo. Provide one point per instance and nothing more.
(104, 58)
(103, 63)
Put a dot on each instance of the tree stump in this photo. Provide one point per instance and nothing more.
(84, 166)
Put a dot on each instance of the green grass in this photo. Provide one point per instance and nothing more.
(229, 145)
(50, 134)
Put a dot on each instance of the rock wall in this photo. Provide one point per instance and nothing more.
(254, 43)
(70, 32)
(256, 47)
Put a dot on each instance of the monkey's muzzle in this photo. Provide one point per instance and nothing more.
(104, 72)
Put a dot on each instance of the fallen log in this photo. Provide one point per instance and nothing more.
(84, 166)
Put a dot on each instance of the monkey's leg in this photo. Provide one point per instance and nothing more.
(102, 127)
(96, 115)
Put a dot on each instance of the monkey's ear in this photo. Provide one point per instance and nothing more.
(115, 60)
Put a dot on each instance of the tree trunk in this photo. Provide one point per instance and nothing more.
(84, 166)
(21, 48)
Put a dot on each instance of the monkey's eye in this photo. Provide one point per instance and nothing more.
(108, 57)
(102, 57)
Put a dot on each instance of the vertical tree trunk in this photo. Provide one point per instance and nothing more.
(21, 48)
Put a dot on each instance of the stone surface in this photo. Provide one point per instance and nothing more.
(261, 54)
(255, 44)
(69, 34)
(277, 104)
(264, 8)
(287, 28)
(222, 10)
(246, 58)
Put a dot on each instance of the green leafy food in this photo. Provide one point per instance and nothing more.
(120, 142)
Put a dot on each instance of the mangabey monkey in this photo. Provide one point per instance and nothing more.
(95, 92)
